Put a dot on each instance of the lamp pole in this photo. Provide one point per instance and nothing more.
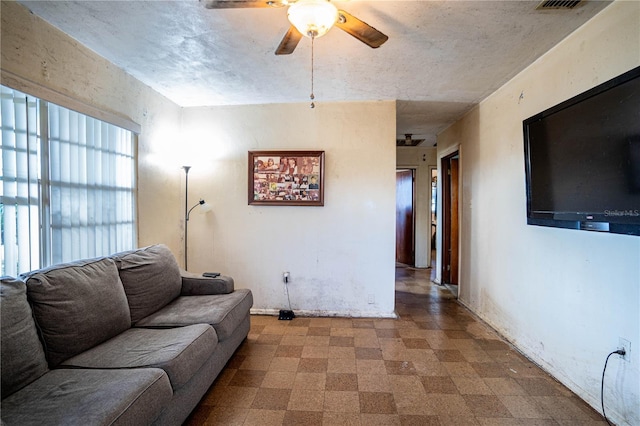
(186, 212)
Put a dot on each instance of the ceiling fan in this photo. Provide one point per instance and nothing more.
(311, 18)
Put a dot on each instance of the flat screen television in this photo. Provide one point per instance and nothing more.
(582, 160)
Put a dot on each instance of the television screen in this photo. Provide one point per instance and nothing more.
(582, 160)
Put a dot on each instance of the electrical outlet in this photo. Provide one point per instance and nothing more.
(285, 277)
(371, 299)
(626, 345)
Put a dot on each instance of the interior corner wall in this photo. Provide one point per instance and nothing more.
(563, 297)
(422, 160)
(340, 256)
(37, 53)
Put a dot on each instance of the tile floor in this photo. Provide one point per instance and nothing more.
(434, 365)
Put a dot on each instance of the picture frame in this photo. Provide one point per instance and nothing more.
(286, 178)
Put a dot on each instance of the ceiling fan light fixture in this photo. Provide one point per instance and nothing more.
(313, 18)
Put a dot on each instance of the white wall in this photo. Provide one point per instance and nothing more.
(563, 297)
(422, 160)
(338, 255)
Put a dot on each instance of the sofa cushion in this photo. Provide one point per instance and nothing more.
(77, 306)
(223, 311)
(151, 279)
(198, 285)
(180, 352)
(90, 397)
(22, 356)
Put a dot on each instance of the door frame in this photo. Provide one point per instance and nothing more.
(447, 152)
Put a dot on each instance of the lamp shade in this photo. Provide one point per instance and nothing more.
(313, 18)
(205, 207)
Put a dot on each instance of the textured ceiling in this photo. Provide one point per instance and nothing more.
(442, 57)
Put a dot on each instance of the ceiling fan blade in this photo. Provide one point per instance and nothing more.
(360, 30)
(289, 41)
(242, 4)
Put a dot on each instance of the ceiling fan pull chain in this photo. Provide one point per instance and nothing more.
(312, 97)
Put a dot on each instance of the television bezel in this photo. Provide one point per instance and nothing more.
(548, 219)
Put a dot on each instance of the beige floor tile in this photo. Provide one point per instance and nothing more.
(504, 386)
(340, 419)
(380, 419)
(366, 342)
(471, 386)
(365, 333)
(420, 355)
(341, 365)
(342, 401)
(320, 322)
(317, 341)
(419, 420)
(374, 383)
(306, 400)
(264, 417)
(410, 384)
(460, 369)
(448, 405)
(312, 365)
(523, 407)
(284, 364)
(341, 352)
(293, 340)
(279, 379)
(313, 381)
(315, 352)
(370, 366)
(342, 332)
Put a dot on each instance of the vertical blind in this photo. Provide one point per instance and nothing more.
(19, 230)
(80, 185)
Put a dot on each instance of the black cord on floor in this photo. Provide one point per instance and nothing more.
(619, 352)
(288, 297)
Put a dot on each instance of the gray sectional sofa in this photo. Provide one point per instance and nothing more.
(127, 339)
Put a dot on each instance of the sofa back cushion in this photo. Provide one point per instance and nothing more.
(22, 357)
(151, 279)
(77, 306)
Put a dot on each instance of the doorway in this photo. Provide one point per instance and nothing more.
(405, 236)
(433, 217)
(450, 218)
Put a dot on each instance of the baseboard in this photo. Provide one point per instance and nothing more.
(314, 313)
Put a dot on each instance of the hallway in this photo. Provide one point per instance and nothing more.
(434, 365)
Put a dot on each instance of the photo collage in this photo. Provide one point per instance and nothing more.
(292, 178)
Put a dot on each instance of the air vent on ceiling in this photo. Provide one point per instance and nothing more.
(558, 4)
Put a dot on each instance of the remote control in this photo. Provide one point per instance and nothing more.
(211, 274)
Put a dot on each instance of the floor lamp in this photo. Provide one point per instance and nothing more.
(205, 208)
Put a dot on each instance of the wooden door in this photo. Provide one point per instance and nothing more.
(453, 279)
(404, 217)
(450, 219)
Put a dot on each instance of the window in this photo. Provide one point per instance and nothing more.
(67, 186)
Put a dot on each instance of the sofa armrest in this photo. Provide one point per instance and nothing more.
(197, 285)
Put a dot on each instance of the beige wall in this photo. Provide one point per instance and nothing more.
(564, 297)
(340, 255)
